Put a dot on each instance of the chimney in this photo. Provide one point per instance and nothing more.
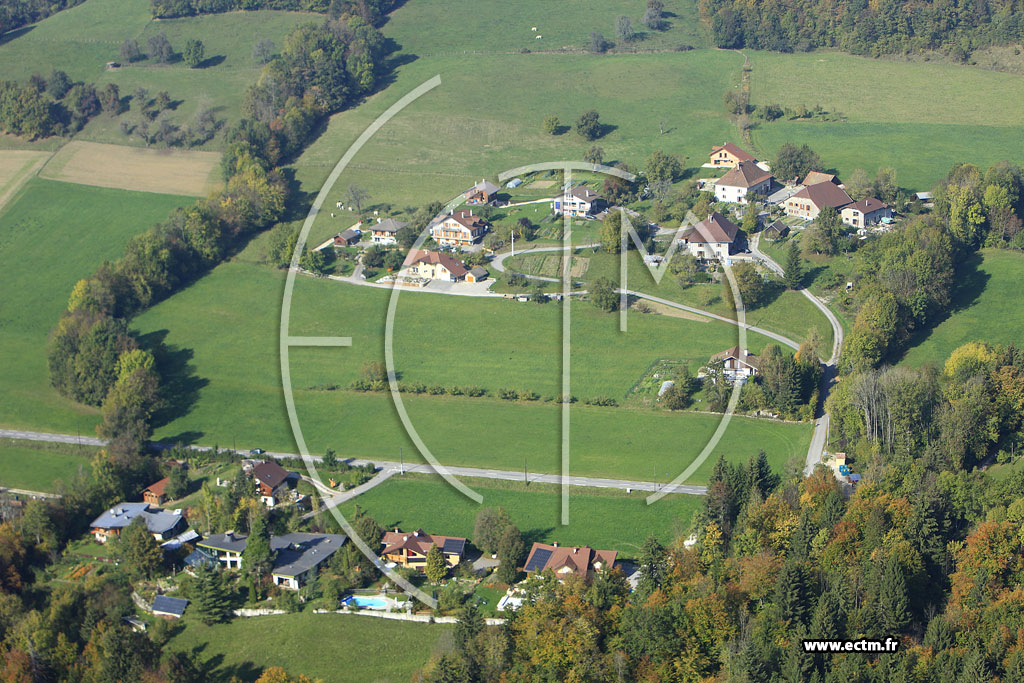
(555, 544)
(471, 212)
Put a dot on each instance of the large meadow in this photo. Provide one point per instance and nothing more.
(220, 335)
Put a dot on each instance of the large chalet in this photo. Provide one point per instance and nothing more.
(458, 228)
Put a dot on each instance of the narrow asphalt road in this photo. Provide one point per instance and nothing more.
(821, 423)
(398, 467)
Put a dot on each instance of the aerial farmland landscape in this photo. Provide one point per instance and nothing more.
(451, 341)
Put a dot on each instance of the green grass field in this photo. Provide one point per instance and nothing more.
(984, 309)
(918, 118)
(38, 466)
(605, 519)
(469, 25)
(81, 40)
(51, 235)
(328, 647)
(230, 320)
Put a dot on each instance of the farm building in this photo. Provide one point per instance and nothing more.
(866, 212)
(564, 560)
(713, 237)
(808, 202)
(156, 494)
(386, 231)
(481, 193)
(729, 155)
(476, 274)
(745, 178)
(458, 228)
(410, 549)
(775, 230)
(815, 177)
(348, 238)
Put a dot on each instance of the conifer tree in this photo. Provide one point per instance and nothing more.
(794, 268)
(892, 597)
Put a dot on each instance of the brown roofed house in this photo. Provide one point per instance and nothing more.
(729, 155)
(156, 494)
(808, 202)
(460, 228)
(564, 560)
(711, 238)
(434, 265)
(272, 481)
(409, 549)
(745, 178)
(347, 238)
(739, 363)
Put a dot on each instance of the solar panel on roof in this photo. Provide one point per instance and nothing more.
(169, 605)
(454, 546)
(538, 560)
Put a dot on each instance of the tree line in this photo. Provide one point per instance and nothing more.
(369, 10)
(895, 26)
(40, 107)
(93, 358)
(18, 13)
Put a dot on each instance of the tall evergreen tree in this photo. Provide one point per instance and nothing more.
(138, 549)
(792, 593)
(893, 606)
(651, 566)
(436, 568)
(210, 599)
(794, 269)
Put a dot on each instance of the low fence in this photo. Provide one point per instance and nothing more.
(405, 616)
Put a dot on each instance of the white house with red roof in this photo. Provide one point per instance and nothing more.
(868, 211)
(712, 238)
(434, 265)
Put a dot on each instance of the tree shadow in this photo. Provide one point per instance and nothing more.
(970, 284)
(606, 128)
(531, 536)
(179, 384)
(16, 33)
(211, 61)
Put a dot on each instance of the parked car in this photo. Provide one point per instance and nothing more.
(257, 451)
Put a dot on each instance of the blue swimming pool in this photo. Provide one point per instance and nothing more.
(364, 601)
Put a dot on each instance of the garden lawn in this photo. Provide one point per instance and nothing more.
(985, 308)
(38, 466)
(51, 235)
(600, 518)
(330, 647)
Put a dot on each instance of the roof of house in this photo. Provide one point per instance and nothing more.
(744, 174)
(270, 473)
(157, 489)
(227, 542)
(478, 271)
(420, 542)
(349, 234)
(121, 515)
(716, 228)
(815, 177)
(466, 219)
(168, 605)
(777, 226)
(867, 205)
(388, 225)
(732, 149)
(299, 552)
(584, 193)
(742, 355)
(579, 560)
(824, 194)
(485, 186)
(454, 266)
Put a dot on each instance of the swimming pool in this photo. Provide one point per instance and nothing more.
(363, 601)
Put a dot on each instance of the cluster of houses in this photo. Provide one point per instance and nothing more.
(748, 177)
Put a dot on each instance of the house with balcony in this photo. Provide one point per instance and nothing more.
(458, 228)
(481, 193)
(712, 238)
(409, 549)
(386, 231)
(739, 364)
(567, 560)
(579, 202)
(162, 524)
(746, 178)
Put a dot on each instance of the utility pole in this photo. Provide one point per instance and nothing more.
(401, 458)
(526, 480)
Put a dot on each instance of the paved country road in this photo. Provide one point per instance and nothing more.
(828, 378)
(397, 467)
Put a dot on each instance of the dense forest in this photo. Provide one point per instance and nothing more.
(17, 13)
(927, 550)
(859, 27)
